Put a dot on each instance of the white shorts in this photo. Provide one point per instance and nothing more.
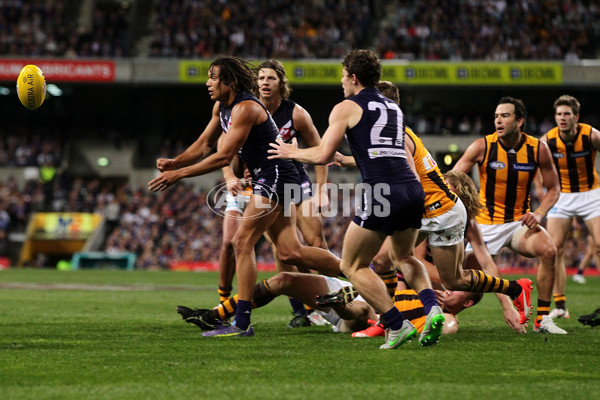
(579, 204)
(237, 203)
(447, 229)
(497, 236)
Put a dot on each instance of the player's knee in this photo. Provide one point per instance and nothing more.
(547, 252)
(281, 280)
(289, 255)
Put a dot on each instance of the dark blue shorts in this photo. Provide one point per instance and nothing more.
(305, 183)
(279, 184)
(388, 208)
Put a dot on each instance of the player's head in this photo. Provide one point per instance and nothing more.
(456, 301)
(273, 70)
(569, 101)
(389, 90)
(520, 110)
(234, 72)
(462, 184)
(365, 65)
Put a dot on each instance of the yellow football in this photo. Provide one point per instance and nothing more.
(31, 87)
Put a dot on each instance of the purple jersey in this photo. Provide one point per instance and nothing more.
(377, 141)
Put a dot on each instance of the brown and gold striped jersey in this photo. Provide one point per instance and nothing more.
(438, 196)
(505, 177)
(574, 161)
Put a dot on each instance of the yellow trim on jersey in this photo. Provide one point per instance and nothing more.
(574, 162)
(438, 196)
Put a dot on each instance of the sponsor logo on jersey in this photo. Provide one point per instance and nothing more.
(497, 165)
(580, 154)
(523, 167)
(378, 152)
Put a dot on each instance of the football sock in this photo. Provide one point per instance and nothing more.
(262, 294)
(543, 308)
(427, 297)
(297, 307)
(242, 315)
(393, 319)
(390, 278)
(484, 283)
(560, 301)
(228, 308)
(224, 293)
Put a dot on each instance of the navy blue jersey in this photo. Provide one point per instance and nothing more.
(254, 150)
(377, 141)
(283, 118)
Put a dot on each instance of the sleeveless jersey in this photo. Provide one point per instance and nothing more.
(254, 150)
(283, 118)
(438, 196)
(505, 177)
(574, 161)
(377, 141)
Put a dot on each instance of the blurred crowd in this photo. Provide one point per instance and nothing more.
(496, 30)
(259, 28)
(50, 28)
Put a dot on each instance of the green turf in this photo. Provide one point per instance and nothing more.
(130, 344)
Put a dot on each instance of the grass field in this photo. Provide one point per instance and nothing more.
(119, 337)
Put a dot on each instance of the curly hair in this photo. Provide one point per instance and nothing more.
(365, 65)
(236, 73)
(467, 192)
(284, 88)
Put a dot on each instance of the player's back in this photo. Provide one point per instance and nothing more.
(377, 140)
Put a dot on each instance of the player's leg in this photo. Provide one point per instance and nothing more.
(283, 233)
(231, 222)
(536, 242)
(557, 229)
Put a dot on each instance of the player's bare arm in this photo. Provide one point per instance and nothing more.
(243, 117)
(550, 183)
(473, 155)
(200, 148)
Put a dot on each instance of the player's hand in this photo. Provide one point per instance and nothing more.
(531, 220)
(163, 181)
(234, 186)
(511, 316)
(282, 150)
(165, 164)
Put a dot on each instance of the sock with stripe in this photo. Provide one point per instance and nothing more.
(560, 301)
(390, 278)
(543, 308)
(224, 293)
(485, 283)
(228, 308)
